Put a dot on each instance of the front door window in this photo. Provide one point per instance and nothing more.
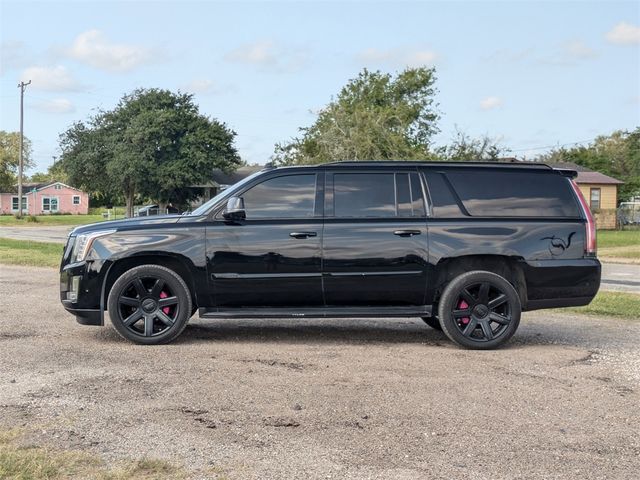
(289, 196)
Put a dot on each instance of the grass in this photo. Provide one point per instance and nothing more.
(618, 238)
(619, 245)
(613, 304)
(34, 254)
(48, 220)
(18, 462)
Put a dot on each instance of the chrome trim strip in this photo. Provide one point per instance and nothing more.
(235, 276)
(372, 274)
(253, 276)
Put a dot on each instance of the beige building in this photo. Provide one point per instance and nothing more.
(600, 191)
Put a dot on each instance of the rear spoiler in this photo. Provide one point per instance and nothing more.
(566, 172)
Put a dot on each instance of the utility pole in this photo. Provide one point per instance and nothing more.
(22, 86)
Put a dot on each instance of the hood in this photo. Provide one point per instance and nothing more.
(126, 224)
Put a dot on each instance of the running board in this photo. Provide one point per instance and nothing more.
(316, 312)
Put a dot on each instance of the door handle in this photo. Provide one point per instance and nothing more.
(406, 233)
(303, 234)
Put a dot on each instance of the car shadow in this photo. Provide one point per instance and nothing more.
(313, 331)
(353, 331)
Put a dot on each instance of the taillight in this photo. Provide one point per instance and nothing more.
(590, 227)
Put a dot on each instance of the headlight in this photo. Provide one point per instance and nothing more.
(83, 244)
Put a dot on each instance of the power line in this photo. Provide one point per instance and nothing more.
(553, 146)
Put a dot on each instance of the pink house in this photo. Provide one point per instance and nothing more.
(46, 198)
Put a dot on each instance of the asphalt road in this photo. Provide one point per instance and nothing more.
(620, 277)
(344, 399)
(57, 234)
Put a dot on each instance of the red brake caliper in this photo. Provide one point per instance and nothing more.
(164, 309)
(461, 306)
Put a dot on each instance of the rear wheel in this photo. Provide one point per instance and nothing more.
(479, 310)
(150, 304)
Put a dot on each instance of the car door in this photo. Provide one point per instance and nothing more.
(273, 257)
(375, 238)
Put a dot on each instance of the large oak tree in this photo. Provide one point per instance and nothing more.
(154, 143)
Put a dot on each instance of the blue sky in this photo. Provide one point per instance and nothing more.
(533, 74)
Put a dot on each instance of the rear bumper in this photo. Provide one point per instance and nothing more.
(561, 283)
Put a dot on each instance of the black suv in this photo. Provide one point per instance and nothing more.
(465, 246)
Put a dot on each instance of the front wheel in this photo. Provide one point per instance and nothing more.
(479, 310)
(150, 304)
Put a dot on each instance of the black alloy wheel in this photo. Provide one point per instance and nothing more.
(150, 304)
(479, 310)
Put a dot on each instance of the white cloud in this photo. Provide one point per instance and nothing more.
(490, 103)
(258, 53)
(55, 105)
(624, 34)
(266, 55)
(200, 85)
(578, 49)
(94, 49)
(399, 57)
(52, 79)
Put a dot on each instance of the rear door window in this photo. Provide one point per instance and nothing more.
(377, 195)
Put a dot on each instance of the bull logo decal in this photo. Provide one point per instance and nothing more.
(557, 245)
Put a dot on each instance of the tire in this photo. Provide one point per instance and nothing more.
(433, 322)
(150, 305)
(479, 310)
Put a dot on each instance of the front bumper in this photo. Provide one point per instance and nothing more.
(85, 316)
(81, 293)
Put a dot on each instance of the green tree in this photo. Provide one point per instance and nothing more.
(374, 117)
(616, 155)
(464, 148)
(154, 144)
(10, 156)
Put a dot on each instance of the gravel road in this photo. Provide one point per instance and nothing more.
(342, 399)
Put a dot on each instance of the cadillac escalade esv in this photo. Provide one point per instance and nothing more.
(465, 246)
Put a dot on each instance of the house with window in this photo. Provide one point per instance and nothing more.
(600, 191)
(44, 199)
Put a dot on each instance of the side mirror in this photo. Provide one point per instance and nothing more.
(235, 209)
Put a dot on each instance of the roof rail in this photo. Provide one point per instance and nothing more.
(448, 164)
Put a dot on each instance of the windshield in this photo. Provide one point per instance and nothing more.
(202, 209)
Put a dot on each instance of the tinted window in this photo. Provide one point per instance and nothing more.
(364, 195)
(290, 196)
(409, 195)
(403, 195)
(377, 195)
(443, 202)
(417, 197)
(496, 193)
